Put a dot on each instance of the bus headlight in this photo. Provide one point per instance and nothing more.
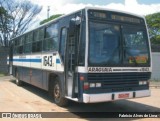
(142, 82)
(98, 84)
(92, 85)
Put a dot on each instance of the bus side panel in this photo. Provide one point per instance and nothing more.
(45, 79)
(26, 75)
(17, 60)
(63, 85)
(26, 63)
(46, 82)
(48, 61)
(35, 61)
(14, 71)
(37, 77)
(20, 72)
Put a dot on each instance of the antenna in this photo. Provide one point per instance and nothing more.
(48, 11)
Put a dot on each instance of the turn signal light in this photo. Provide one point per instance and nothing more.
(86, 86)
(81, 78)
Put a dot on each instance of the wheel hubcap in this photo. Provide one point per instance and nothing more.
(56, 91)
(16, 80)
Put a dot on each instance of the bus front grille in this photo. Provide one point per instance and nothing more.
(118, 81)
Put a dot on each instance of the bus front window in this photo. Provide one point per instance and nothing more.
(111, 46)
(136, 48)
(104, 44)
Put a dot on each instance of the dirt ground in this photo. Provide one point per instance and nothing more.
(31, 99)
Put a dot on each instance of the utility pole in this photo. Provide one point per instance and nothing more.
(48, 11)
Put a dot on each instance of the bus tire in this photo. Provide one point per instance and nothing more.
(57, 94)
(18, 81)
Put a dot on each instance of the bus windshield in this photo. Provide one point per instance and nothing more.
(117, 45)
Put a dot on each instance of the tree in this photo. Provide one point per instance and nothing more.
(50, 18)
(20, 14)
(153, 22)
(4, 25)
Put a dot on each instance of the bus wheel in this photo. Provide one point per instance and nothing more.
(18, 82)
(57, 93)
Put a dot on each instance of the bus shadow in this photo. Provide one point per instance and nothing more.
(110, 109)
(87, 111)
(37, 91)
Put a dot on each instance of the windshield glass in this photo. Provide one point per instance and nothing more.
(136, 50)
(116, 45)
(104, 44)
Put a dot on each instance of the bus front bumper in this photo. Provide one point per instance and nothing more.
(104, 97)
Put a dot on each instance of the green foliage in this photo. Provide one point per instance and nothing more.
(4, 15)
(3, 74)
(153, 22)
(50, 18)
(2, 11)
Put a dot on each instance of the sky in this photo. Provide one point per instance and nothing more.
(141, 7)
(102, 2)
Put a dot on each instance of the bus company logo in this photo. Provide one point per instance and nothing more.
(99, 69)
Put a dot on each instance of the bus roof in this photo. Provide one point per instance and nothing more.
(86, 8)
(114, 10)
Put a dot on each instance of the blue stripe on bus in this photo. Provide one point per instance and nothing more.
(28, 60)
(57, 61)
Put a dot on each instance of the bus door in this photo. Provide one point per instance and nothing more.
(67, 51)
(70, 62)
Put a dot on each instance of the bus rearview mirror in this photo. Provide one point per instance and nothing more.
(73, 23)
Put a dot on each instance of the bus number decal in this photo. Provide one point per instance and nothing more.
(47, 60)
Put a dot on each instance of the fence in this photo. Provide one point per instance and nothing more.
(155, 66)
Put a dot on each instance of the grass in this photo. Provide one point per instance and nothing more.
(2, 74)
(155, 80)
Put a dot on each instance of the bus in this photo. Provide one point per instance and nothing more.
(91, 55)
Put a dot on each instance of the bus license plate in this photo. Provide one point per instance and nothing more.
(125, 95)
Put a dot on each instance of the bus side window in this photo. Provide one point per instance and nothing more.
(37, 43)
(62, 42)
(28, 43)
(41, 34)
(19, 45)
(50, 41)
(15, 46)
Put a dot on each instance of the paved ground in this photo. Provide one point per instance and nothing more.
(31, 99)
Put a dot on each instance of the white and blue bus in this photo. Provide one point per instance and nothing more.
(92, 55)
